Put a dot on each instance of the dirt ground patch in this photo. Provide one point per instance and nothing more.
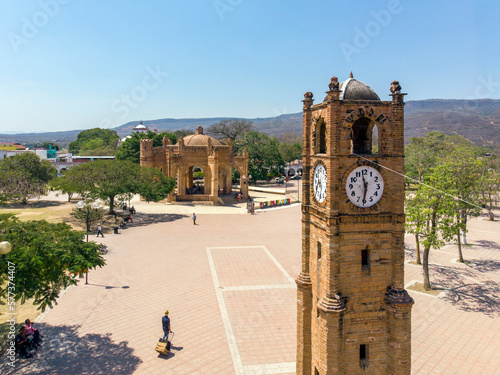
(419, 287)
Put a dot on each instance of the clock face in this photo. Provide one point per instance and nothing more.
(364, 186)
(319, 183)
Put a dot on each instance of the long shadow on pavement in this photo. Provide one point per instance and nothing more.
(141, 219)
(485, 265)
(34, 204)
(64, 351)
(474, 297)
(488, 244)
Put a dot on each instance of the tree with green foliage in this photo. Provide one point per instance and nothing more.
(88, 215)
(131, 147)
(460, 174)
(24, 176)
(430, 213)
(290, 151)
(290, 145)
(95, 142)
(423, 153)
(264, 158)
(153, 184)
(458, 168)
(112, 179)
(181, 133)
(491, 187)
(231, 128)
(54, 146)
(44, 259)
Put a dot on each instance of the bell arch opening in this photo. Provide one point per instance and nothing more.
(319, 136)
(322, 138)
(362, 136)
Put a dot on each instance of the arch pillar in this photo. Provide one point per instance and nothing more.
(213, 164)
(181, 181)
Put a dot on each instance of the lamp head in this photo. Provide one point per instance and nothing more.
(5, 247)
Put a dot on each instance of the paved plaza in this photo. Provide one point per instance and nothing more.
(229, 285)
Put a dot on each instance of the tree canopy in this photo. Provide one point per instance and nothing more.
(455, 176)
(290, 145)
(264, 157)
(290, 151)
(233, 128)
(111, 179)
(24, 176)
(44, 259)
(47, 145)
(95, 142)
(130, 148)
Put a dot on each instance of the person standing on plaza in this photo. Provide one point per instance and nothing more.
(194, 218)
(99, 230)
(165, 322)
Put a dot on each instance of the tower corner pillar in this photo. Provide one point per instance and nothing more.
(304, 309)
(399, 304)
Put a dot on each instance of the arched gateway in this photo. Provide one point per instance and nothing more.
(197, 155)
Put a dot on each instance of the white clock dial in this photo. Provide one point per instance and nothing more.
(364, 186)
(319, 183)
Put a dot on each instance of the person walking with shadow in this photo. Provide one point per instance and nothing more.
(165, 322)
(99, 230)
(194, 218)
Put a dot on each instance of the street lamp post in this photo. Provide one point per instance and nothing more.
(87, 211)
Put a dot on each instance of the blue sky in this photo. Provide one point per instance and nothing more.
(78, 64)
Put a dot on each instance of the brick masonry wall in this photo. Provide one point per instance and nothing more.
(348, 305)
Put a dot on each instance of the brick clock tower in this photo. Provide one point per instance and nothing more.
(353, 313)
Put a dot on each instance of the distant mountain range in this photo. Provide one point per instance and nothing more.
(475, 120)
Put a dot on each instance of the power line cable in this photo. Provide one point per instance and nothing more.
(422, 183)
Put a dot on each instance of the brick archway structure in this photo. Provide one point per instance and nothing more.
(197, 150)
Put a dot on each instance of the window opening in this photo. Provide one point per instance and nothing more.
(363, 356)
(322, 138)
(360, 138)
(365, 260)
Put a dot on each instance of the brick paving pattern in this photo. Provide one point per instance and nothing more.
(111, 326)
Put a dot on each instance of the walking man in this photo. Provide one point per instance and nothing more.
(165, 322)
(194, 218)
(99, 230)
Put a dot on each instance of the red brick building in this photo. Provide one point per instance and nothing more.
(353, 314)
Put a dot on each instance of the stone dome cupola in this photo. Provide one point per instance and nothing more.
(352, 89)
(199, 139)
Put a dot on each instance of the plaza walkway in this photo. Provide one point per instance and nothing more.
(229, 285)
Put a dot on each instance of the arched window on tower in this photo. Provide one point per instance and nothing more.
(361, 136)
(375, 140)
(322, 138)
(319, 136)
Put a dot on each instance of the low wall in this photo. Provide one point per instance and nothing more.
(274, 203)
(193, 197)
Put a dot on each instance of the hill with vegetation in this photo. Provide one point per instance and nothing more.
(475, 120)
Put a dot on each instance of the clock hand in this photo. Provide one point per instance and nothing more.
(365, 185)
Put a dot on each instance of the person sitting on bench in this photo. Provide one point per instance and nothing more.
(30, 330)
(22, 342)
